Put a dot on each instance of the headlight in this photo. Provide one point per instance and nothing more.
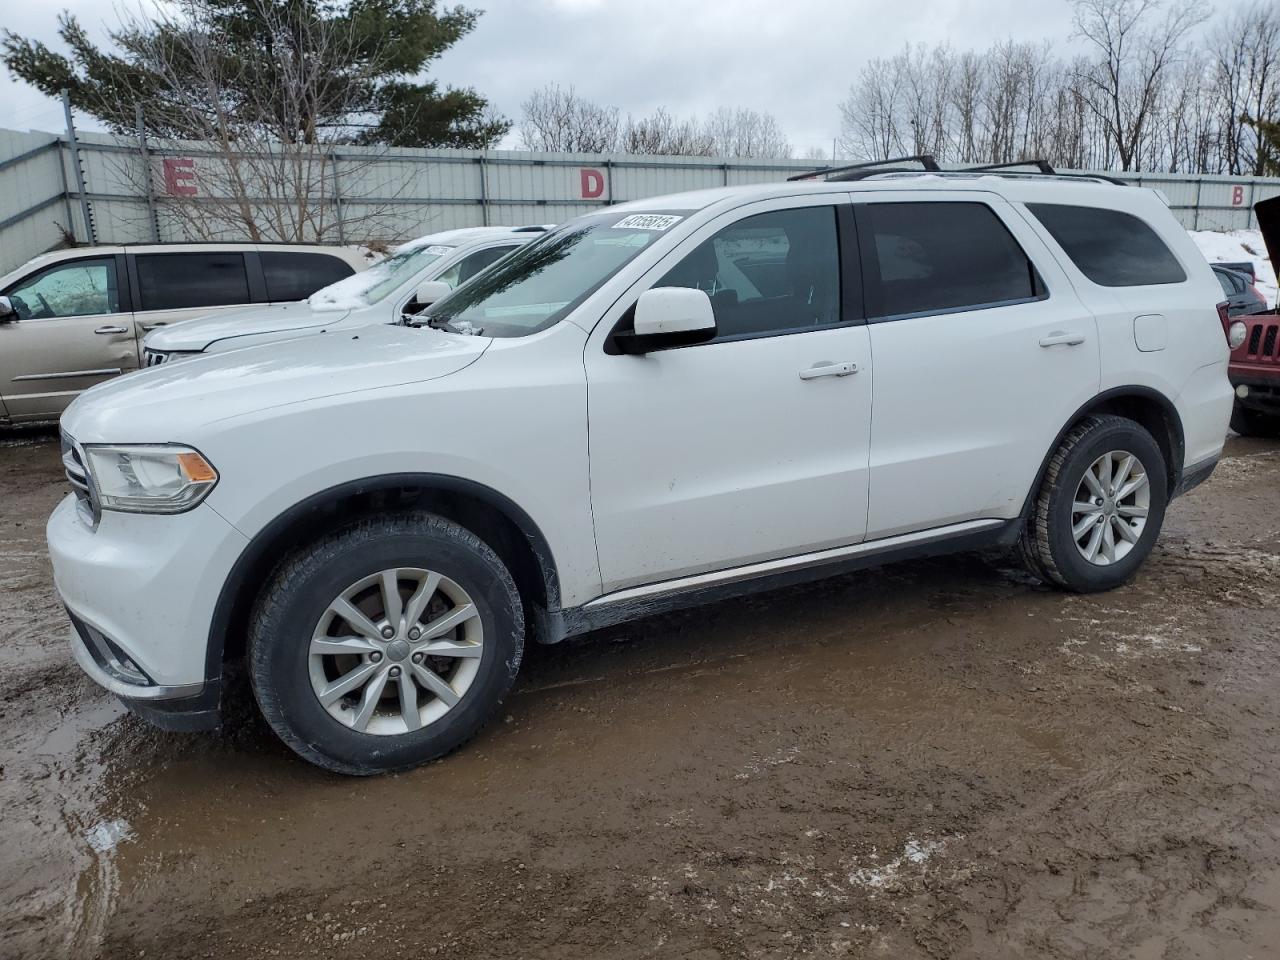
(149, 478)
(1236, 334)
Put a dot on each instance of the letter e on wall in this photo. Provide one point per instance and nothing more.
(180, 177)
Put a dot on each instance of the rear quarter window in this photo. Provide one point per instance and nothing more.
(1111, 248)
(292, 275)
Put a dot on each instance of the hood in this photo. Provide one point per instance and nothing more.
(1268, 213)
(163, 403)
(199, 333)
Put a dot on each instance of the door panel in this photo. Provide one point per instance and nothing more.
(967, 401)
(741, 449)
(70, 335)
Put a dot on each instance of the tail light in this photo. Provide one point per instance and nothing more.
(1224, 316)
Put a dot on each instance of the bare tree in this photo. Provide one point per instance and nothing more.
(1135, 43)
(746, 133)
(558, 120)
(660, 133)
(259, 170)
(1246, 52)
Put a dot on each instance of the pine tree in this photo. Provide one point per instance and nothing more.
(298, 71)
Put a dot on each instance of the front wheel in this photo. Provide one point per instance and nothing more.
(386, 644)
(1099, 508)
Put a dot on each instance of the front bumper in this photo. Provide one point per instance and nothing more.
(140, 591)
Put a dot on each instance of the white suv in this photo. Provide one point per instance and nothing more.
(414, 276)
(666, 402)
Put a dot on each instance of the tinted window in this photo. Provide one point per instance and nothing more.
(941, 257)
(1111, 248)
(1225, 281)
(296, 276)
(770, 273)
(473, 263)
(171, 281)
(77, 289)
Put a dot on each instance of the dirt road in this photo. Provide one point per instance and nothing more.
(938, 759)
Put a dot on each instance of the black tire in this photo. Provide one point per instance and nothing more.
(1254, 423)
(303, 586)
(1047, 545)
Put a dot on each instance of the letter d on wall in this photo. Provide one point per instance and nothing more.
(592, 183)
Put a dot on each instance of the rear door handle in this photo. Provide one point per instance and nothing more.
(105, 330)
(828, 369)
(151, 326)
(1062, 338)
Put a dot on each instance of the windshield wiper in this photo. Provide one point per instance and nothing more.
(466, 328)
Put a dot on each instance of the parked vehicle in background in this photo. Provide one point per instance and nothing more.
(376, 522)
(1242, 295)
(76, 317)
(415, 275)
(1255, 348)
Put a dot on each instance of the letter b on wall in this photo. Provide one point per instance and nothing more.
(592, 183)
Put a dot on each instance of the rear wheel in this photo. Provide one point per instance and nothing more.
(1099, 508)
(1254, 423)
(386, 644)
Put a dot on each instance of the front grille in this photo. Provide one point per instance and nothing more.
(153, 358)
(1262, 343)
(74, 468)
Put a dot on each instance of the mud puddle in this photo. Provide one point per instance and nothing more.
(937, 759)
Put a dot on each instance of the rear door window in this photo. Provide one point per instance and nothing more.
(941, 257)
(294, 275)
(172, 281)
(1111, 248)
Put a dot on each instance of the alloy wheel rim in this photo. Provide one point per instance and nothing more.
(395, 651)
(1110, 508)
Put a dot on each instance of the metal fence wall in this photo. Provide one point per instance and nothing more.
(130, 197)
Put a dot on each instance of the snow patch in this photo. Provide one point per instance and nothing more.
(105, 836)
(888, 875)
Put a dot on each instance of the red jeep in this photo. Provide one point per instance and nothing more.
(1255, 363)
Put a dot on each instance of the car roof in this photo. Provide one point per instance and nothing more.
(1011, 186)
(465, 235)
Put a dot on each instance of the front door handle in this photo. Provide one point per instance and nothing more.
(106, 330)
(1062, 338)
(146, 327)
(828, 369)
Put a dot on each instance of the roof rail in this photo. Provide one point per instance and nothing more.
(858, 171)
(1042, 165)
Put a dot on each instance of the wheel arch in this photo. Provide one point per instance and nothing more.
(1145, 406)
(492, 516)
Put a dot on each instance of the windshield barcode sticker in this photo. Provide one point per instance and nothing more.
(647, 221)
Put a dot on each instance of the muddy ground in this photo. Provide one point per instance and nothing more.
(938, 759)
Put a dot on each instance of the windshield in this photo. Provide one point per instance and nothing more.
(539, 284)
(363, 289)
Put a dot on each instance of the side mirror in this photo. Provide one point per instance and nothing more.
(8, 312)
(668, 317)
(430, 291)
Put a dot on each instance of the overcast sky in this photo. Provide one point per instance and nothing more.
(792, 58)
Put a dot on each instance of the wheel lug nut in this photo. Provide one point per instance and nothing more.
(387, 633)
(417, 658)
(375, 657)
(415, 633)
(394, 671)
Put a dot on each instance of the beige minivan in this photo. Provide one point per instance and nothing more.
(73, 318)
